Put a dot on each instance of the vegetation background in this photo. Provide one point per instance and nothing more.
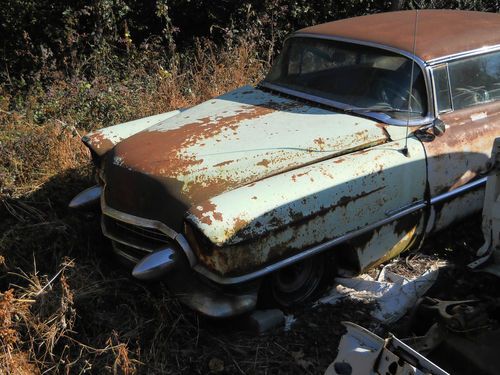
(67, 67)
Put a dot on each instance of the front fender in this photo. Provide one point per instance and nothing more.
(259, 223)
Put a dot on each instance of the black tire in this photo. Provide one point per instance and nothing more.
(298, 283)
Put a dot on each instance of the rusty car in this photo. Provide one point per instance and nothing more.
(366, 136)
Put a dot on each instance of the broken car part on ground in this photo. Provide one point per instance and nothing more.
(460, 335)
(353, 149)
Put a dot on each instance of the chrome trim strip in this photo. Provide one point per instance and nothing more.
(449, 87)
(304, 254)
(460, 190)
(460, 55)
(422, 64)
(134, 220)
(434, 91)
(342, 106)
(154, 224)
(184, 244)
(403, 208)
(123, 254)
(120, 240)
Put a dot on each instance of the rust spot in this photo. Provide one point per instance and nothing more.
(239, 224)
(204, 211)
(344, 201)
(264, 163)
(338, 160)
(361, 135)
(254, 197)
(320, 142)
(165, 153)
(384, 130)
(98, 143)
(223, 163)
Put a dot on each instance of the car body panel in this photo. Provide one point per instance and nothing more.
(460, 156)
(103, 140)
(283, 214)
(236, 139)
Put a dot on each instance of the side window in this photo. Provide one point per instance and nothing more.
(475, 80)
(441, 82)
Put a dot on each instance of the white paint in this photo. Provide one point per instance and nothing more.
(394, 294)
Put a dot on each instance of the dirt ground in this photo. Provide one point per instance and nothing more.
(75, 311)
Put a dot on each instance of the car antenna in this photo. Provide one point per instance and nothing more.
(405, 149)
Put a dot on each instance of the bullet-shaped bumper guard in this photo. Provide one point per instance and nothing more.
(155, 266)
(87, 198)
(170, 266)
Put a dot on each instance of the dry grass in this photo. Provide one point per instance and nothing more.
(62, 310)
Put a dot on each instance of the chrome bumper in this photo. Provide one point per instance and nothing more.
(156, 252)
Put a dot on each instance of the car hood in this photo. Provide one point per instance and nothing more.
(233, 140)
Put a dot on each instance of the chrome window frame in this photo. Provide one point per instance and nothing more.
(429, 118)
(464, 54)
(434, 90)
(445, 60)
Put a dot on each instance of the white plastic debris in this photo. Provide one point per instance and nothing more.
(394, 294)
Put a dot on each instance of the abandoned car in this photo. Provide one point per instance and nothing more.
(367, 135)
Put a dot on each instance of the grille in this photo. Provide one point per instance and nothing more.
(132, 241)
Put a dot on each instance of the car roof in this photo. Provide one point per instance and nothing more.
(440, 33)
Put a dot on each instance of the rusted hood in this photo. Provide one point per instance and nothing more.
(233, 140)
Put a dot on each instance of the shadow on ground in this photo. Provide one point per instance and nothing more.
(40, 237)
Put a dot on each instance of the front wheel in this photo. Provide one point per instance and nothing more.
(299, 282)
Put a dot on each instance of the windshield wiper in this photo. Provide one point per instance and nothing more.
(378, 109)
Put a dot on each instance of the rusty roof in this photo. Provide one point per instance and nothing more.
(439, 32)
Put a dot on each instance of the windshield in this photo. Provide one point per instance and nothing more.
(355, 75)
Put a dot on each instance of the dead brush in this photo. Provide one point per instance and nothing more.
(44, 328)
(122, 364)
(31, 154)
(13, 360)
(74, 314)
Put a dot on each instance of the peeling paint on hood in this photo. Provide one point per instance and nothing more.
(233, 140)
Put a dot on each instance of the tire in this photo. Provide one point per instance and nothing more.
(298, 283)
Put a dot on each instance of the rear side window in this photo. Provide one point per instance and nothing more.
(474, 80)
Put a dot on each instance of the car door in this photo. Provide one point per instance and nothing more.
(467, 95)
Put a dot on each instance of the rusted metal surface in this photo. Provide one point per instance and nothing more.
(231, 141)
(439, 33)
(462, 153)
(103, 140)
(459, 156)
(279, 216)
